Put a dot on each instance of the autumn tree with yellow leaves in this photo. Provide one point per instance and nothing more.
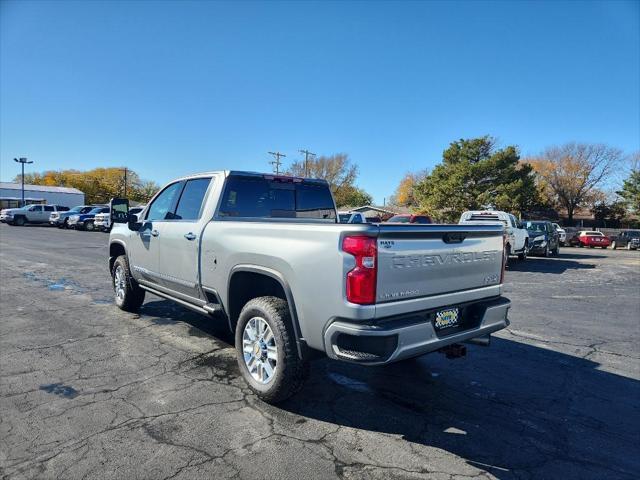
(99, 185)
(569, 176)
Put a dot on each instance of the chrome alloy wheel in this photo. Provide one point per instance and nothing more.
(259, 350)
(119, 283)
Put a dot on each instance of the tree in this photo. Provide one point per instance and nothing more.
(99, 185)
(475, 175)
(341, 175)
(571, 173)
(631, 190)
(609, 214)
(405, 194)
(350, 196)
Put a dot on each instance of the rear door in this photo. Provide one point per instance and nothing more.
(180, 239)
(420, 261)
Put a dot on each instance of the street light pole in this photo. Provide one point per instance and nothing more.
(22, 161)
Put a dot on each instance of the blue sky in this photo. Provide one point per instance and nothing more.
(171, 88)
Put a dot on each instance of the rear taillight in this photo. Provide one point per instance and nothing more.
(362, 279)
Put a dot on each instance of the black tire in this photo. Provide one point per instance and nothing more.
(547, 252)
(522, 256)
(19, 221)
(89, 226)
(614, 245)
(290, 370)
(556, 251)
(592, 246)
(629, 246)
(133, 294)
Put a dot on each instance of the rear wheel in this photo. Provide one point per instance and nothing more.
(629, 246)
(89, 227)
(266, 350)
(614, 245)
(128, 294)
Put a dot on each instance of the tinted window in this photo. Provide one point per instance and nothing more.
(399, 219)
(36, 208)
(63, 209)
(421, 219)
(191, 199)
(48, 208)
(160, 209)
(258, 197)
(344, 217)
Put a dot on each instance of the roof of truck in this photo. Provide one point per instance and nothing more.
(227, 173)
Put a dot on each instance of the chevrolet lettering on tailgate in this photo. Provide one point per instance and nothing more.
(412, 261)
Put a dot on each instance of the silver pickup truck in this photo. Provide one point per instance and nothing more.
(266, 254)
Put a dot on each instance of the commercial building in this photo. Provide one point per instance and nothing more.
(11, 194)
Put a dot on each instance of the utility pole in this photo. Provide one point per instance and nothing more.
(276, 163)
(22, 161)
(125, 182)
(307, 154)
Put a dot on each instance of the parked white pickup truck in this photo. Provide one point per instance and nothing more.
(517, 241)
(29, 214)
(267, 255)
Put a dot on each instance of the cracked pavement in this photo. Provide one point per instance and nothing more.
(89, 391)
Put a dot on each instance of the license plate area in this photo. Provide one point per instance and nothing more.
(447, 318)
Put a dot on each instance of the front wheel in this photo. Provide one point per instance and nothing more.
(523, 255)
(19, 221)
(266, 350)
(547, 252)
(89, 226)
(614, 245)
(128, 294)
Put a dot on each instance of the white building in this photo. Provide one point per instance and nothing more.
(11, 194)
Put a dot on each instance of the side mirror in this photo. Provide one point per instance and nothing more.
(119, 210)
(133, 222)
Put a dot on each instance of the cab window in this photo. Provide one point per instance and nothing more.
(190, 203)
(161, 208)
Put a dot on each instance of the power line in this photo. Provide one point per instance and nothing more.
(276, 163)
(307, 154)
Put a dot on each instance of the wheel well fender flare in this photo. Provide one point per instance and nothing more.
(278, 277)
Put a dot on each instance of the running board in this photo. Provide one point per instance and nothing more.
(206, 309)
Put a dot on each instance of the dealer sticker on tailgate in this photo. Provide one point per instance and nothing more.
(446, 318)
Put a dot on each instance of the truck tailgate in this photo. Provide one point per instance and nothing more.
(425, 260)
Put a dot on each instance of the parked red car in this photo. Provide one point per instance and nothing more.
(409, 218)
(591, 240)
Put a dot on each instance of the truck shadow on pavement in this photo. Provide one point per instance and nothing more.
(548, 265)
(514, 410)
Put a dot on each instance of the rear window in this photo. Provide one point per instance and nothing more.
(344, 217)
(259, 197)
(399, 219)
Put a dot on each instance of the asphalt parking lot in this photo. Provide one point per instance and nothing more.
(89, 391)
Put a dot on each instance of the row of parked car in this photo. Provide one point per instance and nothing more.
(82, 217)
(524, 237)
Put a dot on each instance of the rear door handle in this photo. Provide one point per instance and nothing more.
(190, 236)
(155, 233)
